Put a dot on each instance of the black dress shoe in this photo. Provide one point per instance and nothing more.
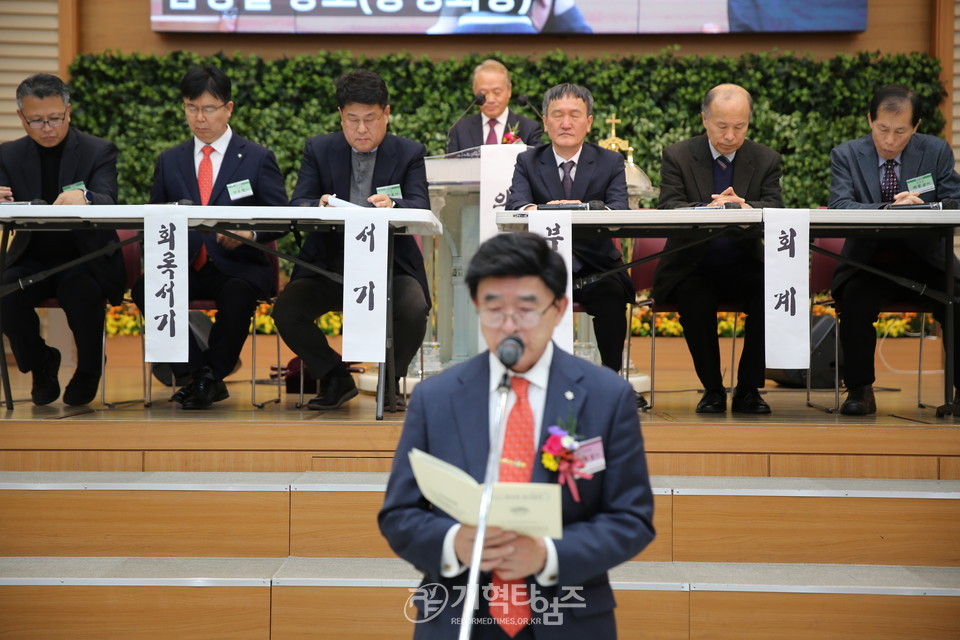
(183, 393)
(641, 401)
(860, 401)
(82, 388)
(712, 402)
(335, 389)
(748, 401)
(206, 391)
(46, 383)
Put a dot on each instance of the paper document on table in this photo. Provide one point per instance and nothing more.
(334, 201)
(531, 508)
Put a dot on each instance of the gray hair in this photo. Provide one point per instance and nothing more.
(494, 66)
(567, 90)
(725, 91)
(42, 85)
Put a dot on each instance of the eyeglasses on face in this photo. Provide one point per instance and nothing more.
(354, 123)
(522, 318)
(39, 124)
(209, 110)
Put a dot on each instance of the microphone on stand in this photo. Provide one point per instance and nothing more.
(929, 206)
(510, 350)
(479, 99)
(524, 101)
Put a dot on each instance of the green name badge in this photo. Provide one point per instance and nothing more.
(391, 190)
(921, 184)
(75, 185)
(240, 189)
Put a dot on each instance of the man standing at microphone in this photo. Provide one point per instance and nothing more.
(517, 284)
(891, 166)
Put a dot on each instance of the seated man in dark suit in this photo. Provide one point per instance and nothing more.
(360, 164)
(874, 172)
(569, 171)
(59, 165)
(518, 285)
(495, 122)
(719, 168)
(217, 167)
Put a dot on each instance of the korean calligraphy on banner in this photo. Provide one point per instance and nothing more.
(365, 238)
(557, 228)
(496, 176)
(786, 235)
(165, 264)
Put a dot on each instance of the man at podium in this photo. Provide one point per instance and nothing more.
(569, 170)
(495, 124)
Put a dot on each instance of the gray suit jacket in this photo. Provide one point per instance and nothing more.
(855, 184)
(448, 417)
(687, 181)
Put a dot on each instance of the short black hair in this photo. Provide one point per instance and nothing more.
(42, 85)
(568, 90)
(361, 87)
(514, 255)
(894, 97)
(205, 79)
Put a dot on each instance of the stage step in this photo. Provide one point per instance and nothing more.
(201, 598)
(698, 519)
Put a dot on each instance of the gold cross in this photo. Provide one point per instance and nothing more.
(613, 122)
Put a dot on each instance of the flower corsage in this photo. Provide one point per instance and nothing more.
(511, 136)
(559, 453)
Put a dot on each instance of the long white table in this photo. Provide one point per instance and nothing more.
(15, 217)
(823, 223)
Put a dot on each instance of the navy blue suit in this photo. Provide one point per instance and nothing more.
(855, 184)
(234, 278)
(599, 176)
(175, 178)
(327, 168)
(448, 417)
(470, 131)
(81, 290)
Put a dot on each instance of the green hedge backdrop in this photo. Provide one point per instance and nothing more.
(803, 107)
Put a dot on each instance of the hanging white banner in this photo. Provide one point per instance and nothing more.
(786, 248)
(496, 176)
(557, 228)
(166, 295)
(365, 238)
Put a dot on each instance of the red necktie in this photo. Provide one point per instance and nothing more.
(492, 135)
(516, 465)
(205, 175)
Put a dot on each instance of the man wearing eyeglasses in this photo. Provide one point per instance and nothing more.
(59, 165)
(518, 286)
(368, 167)
(217, 167)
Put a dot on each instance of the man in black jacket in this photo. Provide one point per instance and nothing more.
(719, 168)
(60, 165)
(361, 164)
